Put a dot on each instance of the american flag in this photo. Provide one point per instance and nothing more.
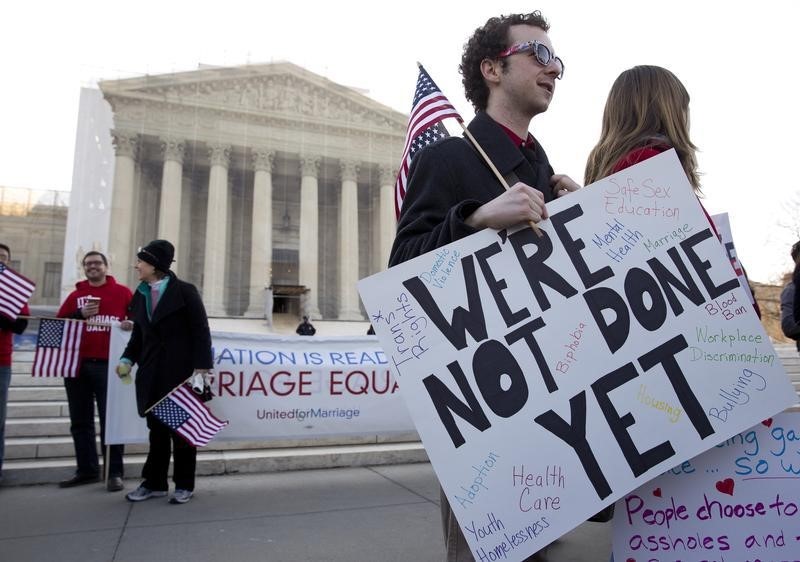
(183, 412)
(428, 109)
(15, 290)
(57, 348)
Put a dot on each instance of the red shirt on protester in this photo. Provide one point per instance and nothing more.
(114, 301)
(527, 142)
(638, 155)
(7, 341)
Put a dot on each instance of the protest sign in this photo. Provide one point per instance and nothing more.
(272, 387)
(548, 376)
(738, 501)
(723, 224)
(123, 424)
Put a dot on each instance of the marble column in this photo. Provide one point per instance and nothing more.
(120, 232)
(216, 254)
(169, 209)
(261, 249)
(309, 233)
(348, 243)
(387, 223)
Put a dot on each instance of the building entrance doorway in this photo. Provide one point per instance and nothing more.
(288, 299)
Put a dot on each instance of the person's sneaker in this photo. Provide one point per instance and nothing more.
(141, 493)
(114, 484)
(181, 496)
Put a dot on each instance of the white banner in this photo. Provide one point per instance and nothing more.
(738, 501)
(548, 376)
(272, 387)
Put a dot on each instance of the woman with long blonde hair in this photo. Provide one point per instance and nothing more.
(646, 113)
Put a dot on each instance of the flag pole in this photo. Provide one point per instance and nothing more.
(489, 163)
(86, 320)
(106, 462)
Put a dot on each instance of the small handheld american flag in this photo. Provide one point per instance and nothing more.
(428, 109)
(58, 347)
(183, 412)
(15, 291)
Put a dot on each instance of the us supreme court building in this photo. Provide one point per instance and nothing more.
(274, 183)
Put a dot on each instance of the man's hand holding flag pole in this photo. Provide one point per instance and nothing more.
(429, 107)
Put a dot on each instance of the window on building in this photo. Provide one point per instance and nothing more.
(285, 266)
(52, 279)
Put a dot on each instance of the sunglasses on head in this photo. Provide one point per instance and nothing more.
(539, 51)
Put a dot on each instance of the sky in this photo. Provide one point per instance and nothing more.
(737, 60)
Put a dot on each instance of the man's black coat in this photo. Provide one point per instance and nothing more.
(449, 180)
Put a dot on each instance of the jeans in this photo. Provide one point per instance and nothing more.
(90, 385)
(5, 381)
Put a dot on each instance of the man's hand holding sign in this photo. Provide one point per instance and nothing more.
(548, 376)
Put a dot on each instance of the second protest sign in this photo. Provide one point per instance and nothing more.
(549, 375)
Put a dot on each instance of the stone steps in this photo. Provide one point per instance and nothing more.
(50, 470)
(36, 394)
(39, 445)
(25, 380)
(37, 427)
(33, 447)
(37, 409)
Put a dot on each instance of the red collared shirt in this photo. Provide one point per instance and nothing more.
(528, 143)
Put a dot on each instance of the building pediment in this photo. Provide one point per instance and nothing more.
(276, 90)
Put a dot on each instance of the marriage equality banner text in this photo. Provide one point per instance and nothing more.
(548, 375)
(273, 387)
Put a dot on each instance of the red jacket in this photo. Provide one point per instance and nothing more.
(638, 155)
(114, 301)
(7, 336)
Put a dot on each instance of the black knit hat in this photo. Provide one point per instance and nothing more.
(158, 253)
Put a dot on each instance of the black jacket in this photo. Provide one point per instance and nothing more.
(449, 180)
(790, 323)
(171, 345)
(306, 328)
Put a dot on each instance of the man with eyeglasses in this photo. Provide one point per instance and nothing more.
(100, 300)
(509, 74)
(509, 71)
